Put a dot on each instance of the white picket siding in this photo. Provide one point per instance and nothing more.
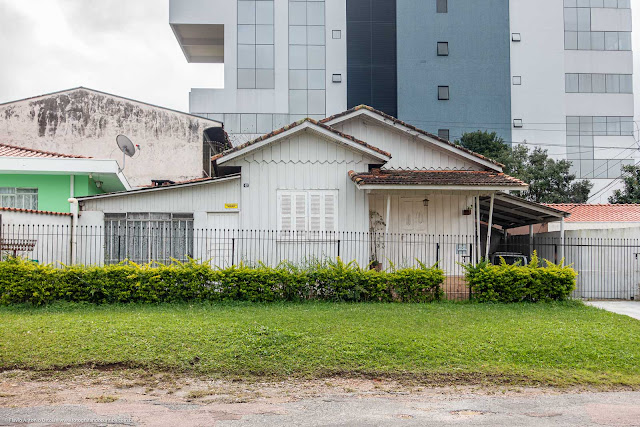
(408, 151)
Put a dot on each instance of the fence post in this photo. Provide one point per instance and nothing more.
(233, 250)
(437, 253)
(555, 253)
(472, 261)
(338, 248)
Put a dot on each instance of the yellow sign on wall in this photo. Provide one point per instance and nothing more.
(231, 206)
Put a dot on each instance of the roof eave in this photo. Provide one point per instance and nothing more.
(164, 187)
(482, 188)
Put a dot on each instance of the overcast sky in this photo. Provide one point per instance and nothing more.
(124, 47)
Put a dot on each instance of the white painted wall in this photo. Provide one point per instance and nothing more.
(593, 226)
(407, 151)
(231, 100)
(410, 220)
(51, 233)
(10, 218)
(200, 198)
(604, 258)
(305, 161)
(336, 19)
(541, 101)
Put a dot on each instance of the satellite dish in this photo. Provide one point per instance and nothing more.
(126, 146)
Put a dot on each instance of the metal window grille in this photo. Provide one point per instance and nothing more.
(148, 237)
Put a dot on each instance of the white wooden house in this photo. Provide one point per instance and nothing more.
(311, 184)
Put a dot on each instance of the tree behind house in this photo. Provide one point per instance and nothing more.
(549, 180)
(631, 191)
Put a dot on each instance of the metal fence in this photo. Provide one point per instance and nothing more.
(607, 268)
(222, 248)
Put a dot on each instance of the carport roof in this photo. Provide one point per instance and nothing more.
(511, 211)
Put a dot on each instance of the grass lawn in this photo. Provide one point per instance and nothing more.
(552, 344)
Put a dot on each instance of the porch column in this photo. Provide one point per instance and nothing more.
(388, 214)
(488, 245)
(530, 240)
(561, 251)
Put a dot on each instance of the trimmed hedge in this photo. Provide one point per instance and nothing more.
(26, 282)
(516, 283)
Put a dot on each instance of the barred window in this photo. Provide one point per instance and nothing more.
(20, 198)
(148, 237)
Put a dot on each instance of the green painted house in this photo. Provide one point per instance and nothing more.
(44, 181)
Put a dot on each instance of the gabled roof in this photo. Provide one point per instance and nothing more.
(294, 127)
(599, 212)
(435, 178)
(32, 211)
(381, 116)
(7, 150)
(108, 94)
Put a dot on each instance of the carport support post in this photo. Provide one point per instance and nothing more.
(530, 241)
(478, 232)
(386, 226)
(488, 244)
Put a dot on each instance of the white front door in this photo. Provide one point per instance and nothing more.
(222, 237)
(413, 215)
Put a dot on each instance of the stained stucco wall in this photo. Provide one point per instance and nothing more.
(86, 122)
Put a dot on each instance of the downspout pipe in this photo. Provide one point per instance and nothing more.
(74, 228)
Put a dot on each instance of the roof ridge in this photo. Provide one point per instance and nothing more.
(412, 127)
(35, 150)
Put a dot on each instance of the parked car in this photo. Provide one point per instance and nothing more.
(509, 257)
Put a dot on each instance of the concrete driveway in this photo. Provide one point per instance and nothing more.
(627, 308)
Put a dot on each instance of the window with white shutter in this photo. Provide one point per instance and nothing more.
(308, 210)
(285, 211)
(330, 202)
(300, 199)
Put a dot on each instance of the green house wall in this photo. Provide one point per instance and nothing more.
(53, 190)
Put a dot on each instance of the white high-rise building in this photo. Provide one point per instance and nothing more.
(551, 73)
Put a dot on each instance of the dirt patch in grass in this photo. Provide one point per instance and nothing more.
(79, 385)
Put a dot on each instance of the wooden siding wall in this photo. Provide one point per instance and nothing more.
(444, 213)
(209, 197)
(407, 151)
(305, 161)
(444, 218)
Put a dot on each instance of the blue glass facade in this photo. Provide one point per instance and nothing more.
(476, 70)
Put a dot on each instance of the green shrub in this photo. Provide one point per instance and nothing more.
(517, 283)
(22, 282)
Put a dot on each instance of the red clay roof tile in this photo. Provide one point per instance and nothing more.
(34, 211)
(599, 213)
(433, 177)
(7, 150)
